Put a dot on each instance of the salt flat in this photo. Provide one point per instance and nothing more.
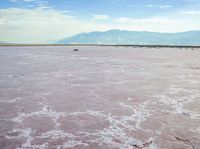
(99, 97)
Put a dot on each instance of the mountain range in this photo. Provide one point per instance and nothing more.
(123, 37)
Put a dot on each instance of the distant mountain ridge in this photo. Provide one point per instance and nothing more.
(123, 37)
(1, 42)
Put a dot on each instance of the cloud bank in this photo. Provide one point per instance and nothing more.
(45, 24)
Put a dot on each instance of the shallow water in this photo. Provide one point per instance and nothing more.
(99, 97)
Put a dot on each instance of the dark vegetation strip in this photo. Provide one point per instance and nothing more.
(149, 46)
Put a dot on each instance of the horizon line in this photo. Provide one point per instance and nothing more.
(119, 45)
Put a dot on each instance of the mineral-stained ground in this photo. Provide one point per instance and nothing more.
(99, 97)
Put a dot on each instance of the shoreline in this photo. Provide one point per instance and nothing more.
(67, 45)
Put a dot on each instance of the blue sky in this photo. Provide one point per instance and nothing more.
(39, 21)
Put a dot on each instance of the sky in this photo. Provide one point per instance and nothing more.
(46, 21)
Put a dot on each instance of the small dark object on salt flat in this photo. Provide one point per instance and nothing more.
(76, 49)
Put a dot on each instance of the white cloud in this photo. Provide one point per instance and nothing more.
(191, 12)
(14, 1)
(41, 25)
(149, 20)
(34, 3)
(29, 0)
(100, 17)
(2, 21)
(190, 0)
(159, 6)
(151, 6)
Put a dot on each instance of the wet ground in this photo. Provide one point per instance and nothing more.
(99, 98)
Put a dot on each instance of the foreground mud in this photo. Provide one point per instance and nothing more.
(99, 97)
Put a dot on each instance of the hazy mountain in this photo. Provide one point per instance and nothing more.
(134, 37)
(4, 43)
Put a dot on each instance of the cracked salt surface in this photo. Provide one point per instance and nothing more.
(179, 102)
(57, 134)
(106, 135)
(135, 98)
(10, 101)
(44, 112)
(140, 113)
(23, 134)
